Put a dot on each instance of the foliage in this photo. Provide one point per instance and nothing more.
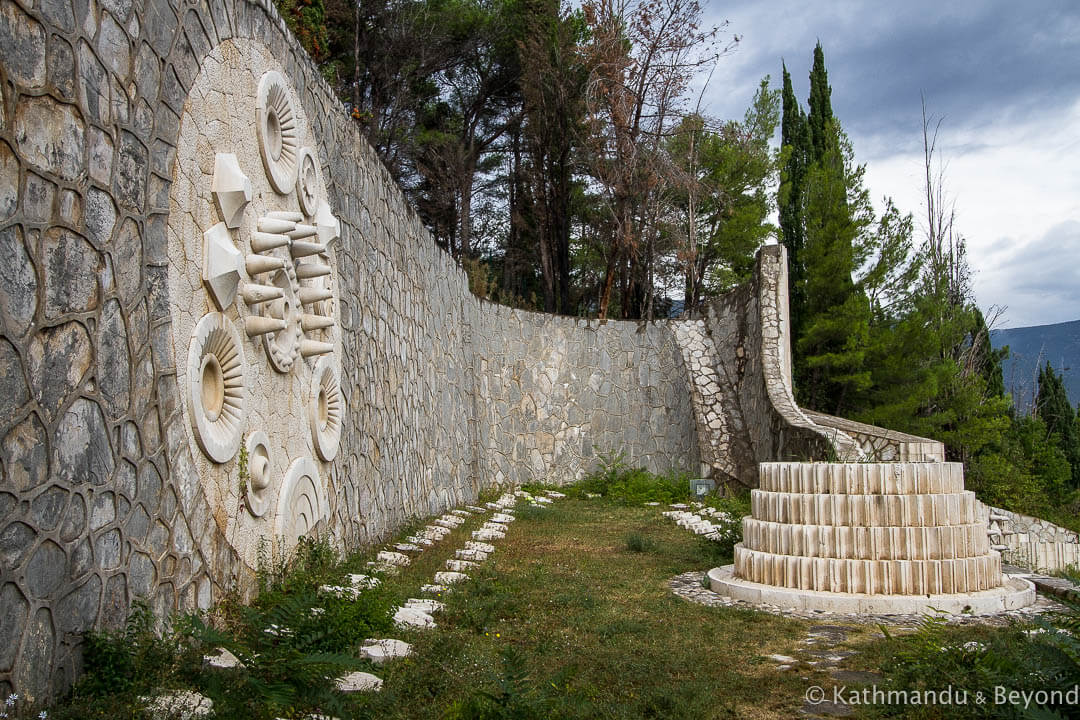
(1053, 408)
(616, 480)
(513, 697)
(1043, 656)
(293, 643)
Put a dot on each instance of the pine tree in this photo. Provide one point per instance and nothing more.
(1052, 407)
(794, 148)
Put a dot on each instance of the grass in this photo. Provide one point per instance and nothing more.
(568, 620)
(571, 617)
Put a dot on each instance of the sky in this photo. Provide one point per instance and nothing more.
(1004, 80)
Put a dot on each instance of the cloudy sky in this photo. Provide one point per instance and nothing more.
(1004, 77)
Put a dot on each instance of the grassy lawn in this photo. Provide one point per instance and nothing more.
(566, 620)
(570, 617)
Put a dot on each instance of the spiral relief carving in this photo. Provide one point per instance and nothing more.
(216, 393)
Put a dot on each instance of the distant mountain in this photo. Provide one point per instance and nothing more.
(1031, 347)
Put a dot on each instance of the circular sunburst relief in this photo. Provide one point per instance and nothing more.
(307, 183)
(216, 393)
(300, 505)
(275, 124)
(325, 409)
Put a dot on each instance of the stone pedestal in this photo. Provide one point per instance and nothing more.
(868, 537)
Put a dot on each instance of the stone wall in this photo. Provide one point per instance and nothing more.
(1030, 542)
(105, 494)
(750, 330)
(880, 444)
(552, 392)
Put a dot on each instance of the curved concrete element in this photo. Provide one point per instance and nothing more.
(1012, 594)
(283, 346)
(325, 409)
(216, 392)
(874, 577)
(275, 124)
(874, 537)
(776, 357)
(260, 467)
(865, 510)
(862, 478)
(866, 543)
(881, 444)
(302, 503)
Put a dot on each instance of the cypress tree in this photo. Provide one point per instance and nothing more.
(830, 350)
(794, 144)
(820, 105)
(1053, 408)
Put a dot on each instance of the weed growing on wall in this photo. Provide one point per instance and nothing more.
(616, 480)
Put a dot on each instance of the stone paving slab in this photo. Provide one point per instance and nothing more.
(689, 587)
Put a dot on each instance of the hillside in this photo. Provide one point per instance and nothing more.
(1030, 347)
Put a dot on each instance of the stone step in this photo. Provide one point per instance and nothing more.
(866, 543)
(884, 577)
(865, 510)
(912, 478)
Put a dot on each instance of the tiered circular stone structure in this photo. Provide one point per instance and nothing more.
(868, 538)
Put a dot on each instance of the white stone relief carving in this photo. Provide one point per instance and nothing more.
(221, 265)
(275, 124)
(216, 392)
(325, 409)
(302, 503)
(260, 467)
(283, 346)
(329, 227)
(307, 183)
(231, 189)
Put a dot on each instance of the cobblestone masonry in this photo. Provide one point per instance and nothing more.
(101, 499)
(750, 331)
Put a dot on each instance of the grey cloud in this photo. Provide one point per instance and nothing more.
(1040, 279)
(976, 63)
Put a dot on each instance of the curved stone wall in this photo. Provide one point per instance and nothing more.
(106, 493)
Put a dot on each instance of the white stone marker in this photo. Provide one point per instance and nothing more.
(426, 604)
(414, 618)
(449, 578)
(379, 651)
(359, 682)
(392, 558)
(479, 546)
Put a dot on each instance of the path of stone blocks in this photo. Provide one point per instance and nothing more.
(416, 613)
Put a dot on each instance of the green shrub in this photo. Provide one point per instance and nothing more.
(616, 480)
(1044, 657)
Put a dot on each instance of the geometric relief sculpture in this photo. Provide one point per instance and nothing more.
(259, 469)
(216, 392)
(307, 183)
(283, 345)
(231, 189)
(329, 227)
(275, 125)
(300, 505)
(325, 409)
(221, 265)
